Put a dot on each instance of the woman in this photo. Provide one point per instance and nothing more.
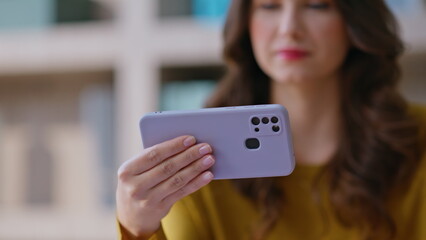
(360, 149)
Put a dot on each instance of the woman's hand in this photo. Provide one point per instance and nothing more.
(150, 183)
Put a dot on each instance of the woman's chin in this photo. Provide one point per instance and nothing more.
(291, 79)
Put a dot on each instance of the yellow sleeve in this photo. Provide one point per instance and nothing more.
(418, 221)
(187, 220)
(123, 234)
(422, 234)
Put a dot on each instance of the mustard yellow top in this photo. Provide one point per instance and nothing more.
(218, 211)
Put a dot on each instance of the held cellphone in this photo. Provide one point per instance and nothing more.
(247, 141)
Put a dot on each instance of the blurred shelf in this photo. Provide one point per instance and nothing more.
(183, 41)
(95, 46)
(88, 46)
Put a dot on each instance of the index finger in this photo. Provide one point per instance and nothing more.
(156, 154)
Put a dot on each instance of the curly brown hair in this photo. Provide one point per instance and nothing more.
(379, 146)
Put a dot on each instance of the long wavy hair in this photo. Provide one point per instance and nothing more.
(379, 146)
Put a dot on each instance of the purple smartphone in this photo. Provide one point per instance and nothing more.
(247, 141)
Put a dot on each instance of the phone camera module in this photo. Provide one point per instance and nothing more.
(275, 128)
(265, 120)
(255, 121)
(274, 119)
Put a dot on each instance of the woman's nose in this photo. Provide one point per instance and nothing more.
(289, 22)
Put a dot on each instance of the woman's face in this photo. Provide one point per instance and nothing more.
(298, 40)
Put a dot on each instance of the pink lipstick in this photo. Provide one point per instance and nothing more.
(292, 54)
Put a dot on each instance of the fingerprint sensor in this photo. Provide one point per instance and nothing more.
(252, 143)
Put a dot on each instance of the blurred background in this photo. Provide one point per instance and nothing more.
(76, 76)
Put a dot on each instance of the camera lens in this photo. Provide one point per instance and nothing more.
(256, 129)
(255, 121)
(265, 120)
(275, 128)
(274, 119)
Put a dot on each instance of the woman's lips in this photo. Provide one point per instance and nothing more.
(292, 54)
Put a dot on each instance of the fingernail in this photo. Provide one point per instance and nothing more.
(189, 141)
(205, 149)
(207, 176)
(208, 161)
